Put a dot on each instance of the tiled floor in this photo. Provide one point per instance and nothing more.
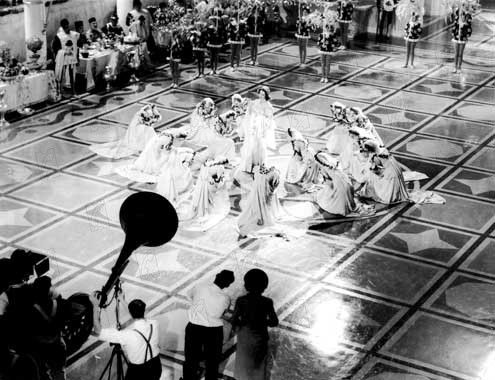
(407, 294)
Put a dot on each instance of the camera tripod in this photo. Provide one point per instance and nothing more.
(117, 353)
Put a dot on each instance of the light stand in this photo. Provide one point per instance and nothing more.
(117, 352)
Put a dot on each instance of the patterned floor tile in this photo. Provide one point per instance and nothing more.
(478, 184)
(295, 81)
(107, 209)
(457, 212)
(357, 91)
(125, 115)
(438, 87)
(84, 240)
(379, 369)
(436, 149)
(466, 297)
(178, 100)
(469, 76)
(482, 260)
(484, 159)
(307, 254)
(102, 168)
(95, 132)
(356, 58)
(484, 95)
(396, 65)
(320, 105)
(277, 61)
(423, 241)
(418, 102)
(385, 275)
(310, 125)
(339, 316)
(337, 70)
(15, 174)
(64, 191)
(248, 73)
(395, 118)
(465, 130)
(51, 152)
(216, 86)
(389, 136)
(382, 78)
(474, 111)
(438, 343)
(166, 267)
(293, 50)
(18, 218)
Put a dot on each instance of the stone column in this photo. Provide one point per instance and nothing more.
(34, 19)
(123, 8)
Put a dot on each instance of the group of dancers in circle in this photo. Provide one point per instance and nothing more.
(195, 165)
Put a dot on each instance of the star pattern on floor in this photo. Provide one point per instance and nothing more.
(420, 241)
(15, 217)
(479, 186)
(162, 261)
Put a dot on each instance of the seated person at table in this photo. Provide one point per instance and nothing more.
(82, 40)
(93, 34)
(113, 29)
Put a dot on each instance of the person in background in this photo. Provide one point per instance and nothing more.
(237, 35)
(136, 12)
(5, 282)
(204, 332)
(140, 32)
(199, 41)
(255, 25)
(82, 40)
(139, 341)
(175, 58)
(93, 34)
(303, 35)
(112, 29)
(327, 43)
(214, 43)
(253, 314)
(386, 12)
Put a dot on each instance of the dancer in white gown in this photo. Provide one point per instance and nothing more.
(239, 106)
(205, 129)
(386, 181)
(164, 163)
(337, 195)
(140, 132)
(338, 138)
(210, 202)
(302, 168)
(259, 132)
(262, 208)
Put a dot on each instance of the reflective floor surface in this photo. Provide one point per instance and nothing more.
(408, 294)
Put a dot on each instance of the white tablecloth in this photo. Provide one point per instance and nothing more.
(30, 89)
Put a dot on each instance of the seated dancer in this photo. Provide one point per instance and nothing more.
(302, 169)
(338, 138)
(159, 156)
(259, 131)
(363, 122)
(337, 195)
(386, 181)
(204, 129)
(93, 34)
(112, 29)
(140, 132)
(210, 201)
(262, 208)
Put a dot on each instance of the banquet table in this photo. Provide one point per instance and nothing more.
(95, 64)
(29, 89)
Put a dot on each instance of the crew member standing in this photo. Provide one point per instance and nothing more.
(204, 332)
(139, 342)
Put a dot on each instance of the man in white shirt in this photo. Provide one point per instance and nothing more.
(139, 342)
(204, 332)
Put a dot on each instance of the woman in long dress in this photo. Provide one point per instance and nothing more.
(338, 137)
(140, 132)
(386, 181)
(253, 314)
(210, 201)
(302, 168)
(259, 132)
(337, 195)
(262, 208)
(205, 129)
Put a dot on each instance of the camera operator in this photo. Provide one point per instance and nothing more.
(139, 342)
